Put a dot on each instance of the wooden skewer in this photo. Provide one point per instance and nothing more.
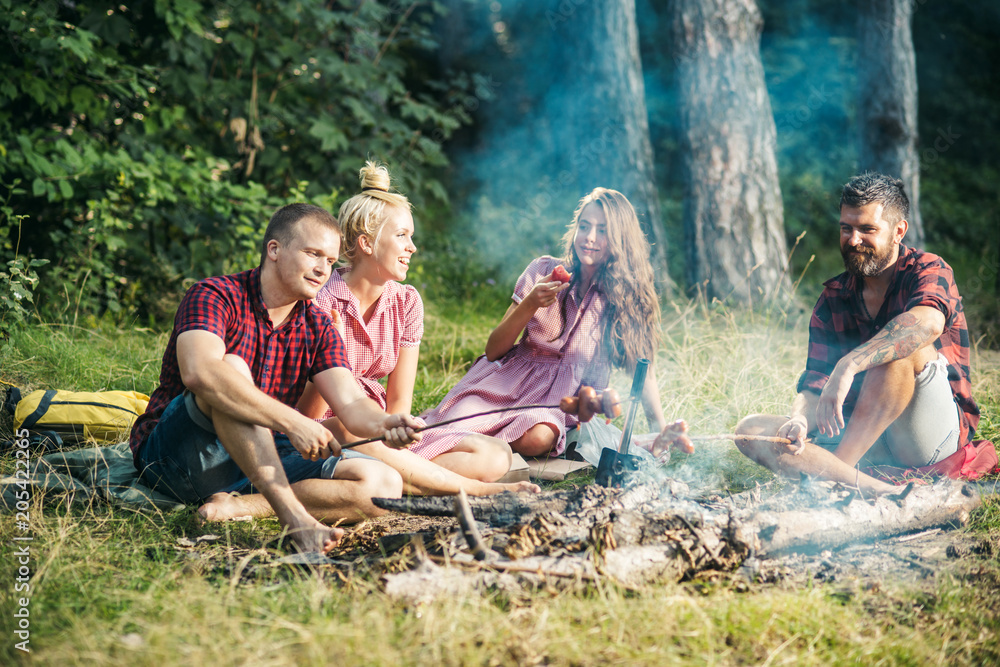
(453, 420)
(738, 436)
(609, 406)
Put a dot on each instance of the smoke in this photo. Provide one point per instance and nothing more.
(517, 178)
(515, 181)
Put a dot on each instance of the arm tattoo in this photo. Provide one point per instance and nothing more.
(902, 336)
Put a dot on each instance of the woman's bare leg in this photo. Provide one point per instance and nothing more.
(424, 477)
(477, 457)
(537, 440)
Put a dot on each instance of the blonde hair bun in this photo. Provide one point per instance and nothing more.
(364, 213)
(375, 176)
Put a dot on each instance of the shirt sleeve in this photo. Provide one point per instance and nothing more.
(824, 353)
(934, 286)
(413, 314)
(207, 306)
(537, 270)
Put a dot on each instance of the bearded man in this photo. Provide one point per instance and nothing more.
(887, 379)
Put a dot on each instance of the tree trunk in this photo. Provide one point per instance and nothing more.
(887, 100)
(733, 217)
(605, 110)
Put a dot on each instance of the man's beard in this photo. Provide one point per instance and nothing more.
(864, 262)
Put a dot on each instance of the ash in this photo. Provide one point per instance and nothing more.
(661, 530)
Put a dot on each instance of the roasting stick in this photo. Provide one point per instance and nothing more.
(588, 399)
(453, 420)
(737, 436)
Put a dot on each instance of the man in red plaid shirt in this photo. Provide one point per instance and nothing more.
(887, 379)
(242, 349)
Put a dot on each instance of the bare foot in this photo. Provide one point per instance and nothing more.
(227, 507)
(315, 539)
(515, 487)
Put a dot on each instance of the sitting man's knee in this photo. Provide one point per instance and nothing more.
(754, 424)
(751, 425)
(381, 481)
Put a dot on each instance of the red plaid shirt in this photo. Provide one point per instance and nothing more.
(840, 324)
(281, 360)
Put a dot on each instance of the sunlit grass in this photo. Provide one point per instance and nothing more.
(112, 586)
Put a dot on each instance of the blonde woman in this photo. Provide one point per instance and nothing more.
(381, 322)
(571, 334)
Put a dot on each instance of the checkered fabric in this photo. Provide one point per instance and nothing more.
(373, 347)
(281, 360)
(840, 324)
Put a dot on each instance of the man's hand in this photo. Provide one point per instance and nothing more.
(830, 407)
(673, 436)
(313, 440)
(795, 429)
(401, 430)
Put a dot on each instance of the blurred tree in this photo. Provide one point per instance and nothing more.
(734, 235)
(887, 99)
(609, 141)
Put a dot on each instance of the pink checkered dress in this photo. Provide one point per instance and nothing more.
(373, 348)
(543, 367)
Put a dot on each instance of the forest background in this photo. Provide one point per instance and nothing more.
(144, 146)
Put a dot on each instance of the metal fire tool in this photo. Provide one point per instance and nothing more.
(615, 465)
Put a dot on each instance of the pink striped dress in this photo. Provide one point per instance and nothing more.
(549, 362)
(373, 347)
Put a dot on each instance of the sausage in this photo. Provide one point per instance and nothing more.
(611, 403)
(589, 404)
(569, 404)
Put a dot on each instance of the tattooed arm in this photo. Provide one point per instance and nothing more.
(902, 336)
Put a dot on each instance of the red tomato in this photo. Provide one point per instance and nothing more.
(560, 274)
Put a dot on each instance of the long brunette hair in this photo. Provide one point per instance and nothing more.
(632, 313)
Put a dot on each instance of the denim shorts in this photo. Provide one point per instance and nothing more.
(183, 457)
(926, 432)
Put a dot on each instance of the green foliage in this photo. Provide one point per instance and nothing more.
(18, 280)
(158, 137)
(17, 283)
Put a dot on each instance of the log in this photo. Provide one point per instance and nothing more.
(945, 503)
(508, 508)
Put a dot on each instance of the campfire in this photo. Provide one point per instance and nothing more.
(638, 525)
(652, 530)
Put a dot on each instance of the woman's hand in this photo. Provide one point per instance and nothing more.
(503, 338)
(544, 294)
(338, 321)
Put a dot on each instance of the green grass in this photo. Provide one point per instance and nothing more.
(112, 586)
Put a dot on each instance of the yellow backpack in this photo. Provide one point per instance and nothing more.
(104, 417)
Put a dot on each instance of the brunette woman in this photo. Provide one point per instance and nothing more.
(556, 337)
